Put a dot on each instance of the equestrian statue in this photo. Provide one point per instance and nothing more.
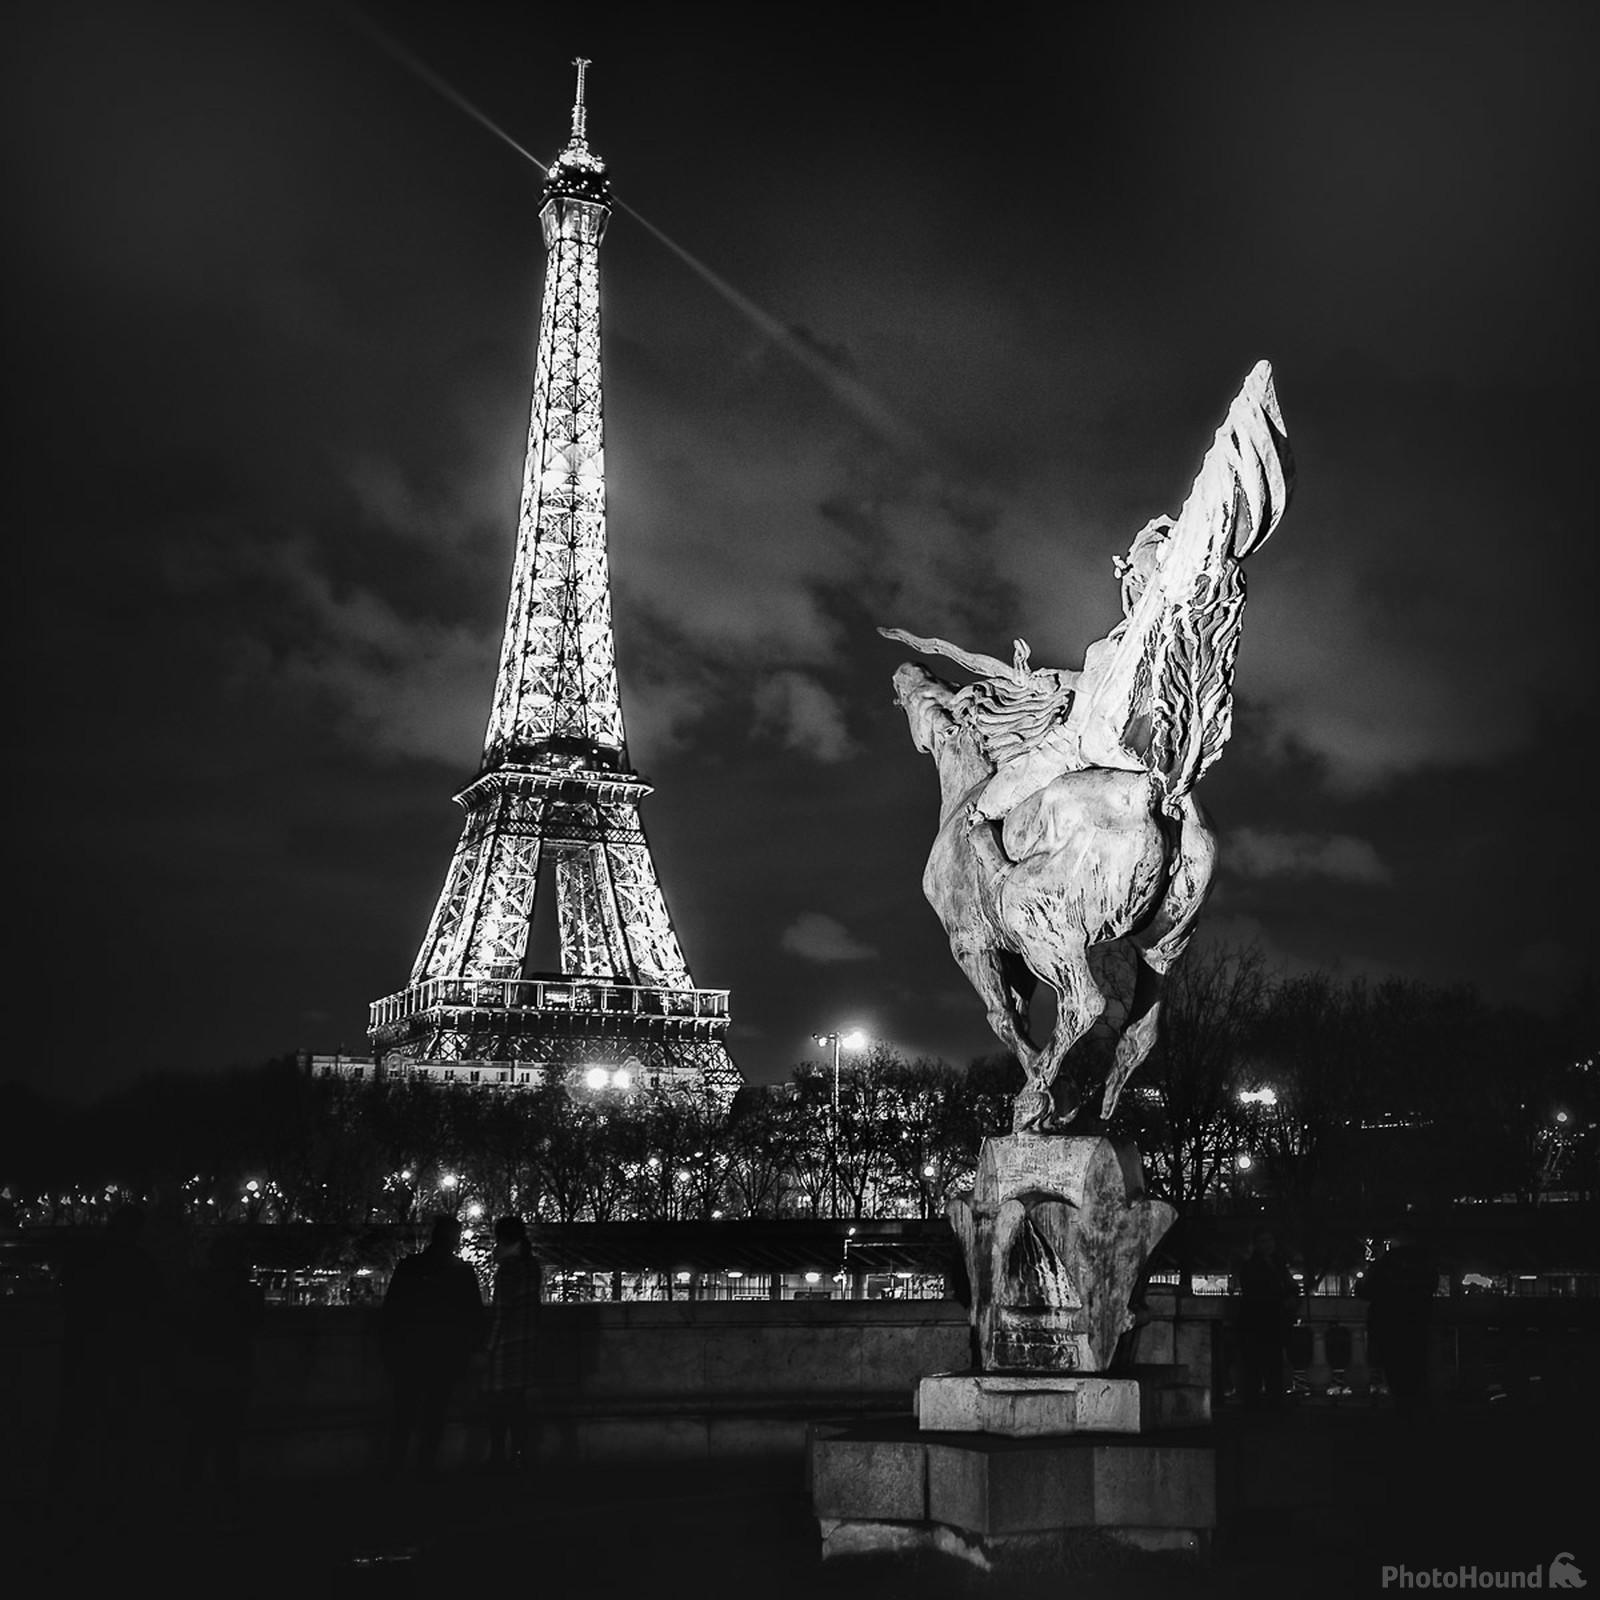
(1067, 818)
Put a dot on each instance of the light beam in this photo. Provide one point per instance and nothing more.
(850, 392)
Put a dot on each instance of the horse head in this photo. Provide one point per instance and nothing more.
(925, 700)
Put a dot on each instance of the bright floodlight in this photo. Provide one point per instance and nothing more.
(621, 1078)
(854, 1040)
(597, 1077)
(1245, 1163)
(1258, 1097)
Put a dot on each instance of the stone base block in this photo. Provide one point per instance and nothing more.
(1063, 1550)
(1042, 1405)
(1030, 1405)
(1152, 1492)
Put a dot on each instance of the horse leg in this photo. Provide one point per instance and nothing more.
(1139, 1032)
(1160, 945)
(1005, 1000)
(1079, 1005)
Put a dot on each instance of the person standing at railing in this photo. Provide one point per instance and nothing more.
(432, 1321)
(1269, 1296)
(513, 1354)
(1399, 1288)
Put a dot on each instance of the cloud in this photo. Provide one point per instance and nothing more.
(803, 716)
(722, 545)
(440, 517)
(815, 936)
(1267, 853)
(408, 686)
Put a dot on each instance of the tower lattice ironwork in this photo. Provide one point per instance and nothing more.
(556, 785)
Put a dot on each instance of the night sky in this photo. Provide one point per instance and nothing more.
(271, 304)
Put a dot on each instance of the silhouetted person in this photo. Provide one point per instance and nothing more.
(514, 1353)
(431, 1322)
(1268, 1296)
(1399, 1289)
(221, 1314)
(114, 1340)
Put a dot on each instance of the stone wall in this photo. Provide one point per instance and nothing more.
(649, 1379)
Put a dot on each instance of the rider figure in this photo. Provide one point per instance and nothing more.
(1033, 721)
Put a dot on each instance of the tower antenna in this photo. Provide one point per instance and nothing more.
(580, 112)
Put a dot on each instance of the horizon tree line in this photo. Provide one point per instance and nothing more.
(1325, 1103)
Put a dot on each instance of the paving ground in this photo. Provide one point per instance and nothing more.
(1314, 1500)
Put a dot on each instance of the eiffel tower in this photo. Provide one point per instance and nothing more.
(556, 786)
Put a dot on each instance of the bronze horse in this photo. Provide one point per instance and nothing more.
(1067, 820)
(1101, 860)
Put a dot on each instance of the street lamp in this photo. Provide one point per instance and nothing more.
(853, 1040)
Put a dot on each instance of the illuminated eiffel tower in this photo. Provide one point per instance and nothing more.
(556, 785)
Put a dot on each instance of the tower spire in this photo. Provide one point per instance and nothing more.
(580, 114)
(555, 787)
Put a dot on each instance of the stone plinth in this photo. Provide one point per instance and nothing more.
(1042, 1405)
(981, 1497)
(1027, 1406)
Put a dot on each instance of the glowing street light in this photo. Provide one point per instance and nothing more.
(854, 1040)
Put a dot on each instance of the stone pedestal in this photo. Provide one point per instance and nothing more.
(1044, 1405)
(1056, 1232)
(1042, 1452)
(992, 1501)
(1028, 1405)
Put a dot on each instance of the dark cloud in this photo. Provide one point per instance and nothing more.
(1259, 853)
(815, 936)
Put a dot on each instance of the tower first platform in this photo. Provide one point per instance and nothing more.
(556, 786)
